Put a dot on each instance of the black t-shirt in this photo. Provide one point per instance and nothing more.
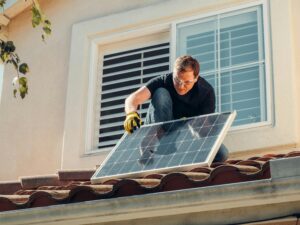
(199, 100)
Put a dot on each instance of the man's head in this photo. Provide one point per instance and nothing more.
(185, 74)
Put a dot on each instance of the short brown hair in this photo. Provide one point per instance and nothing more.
(185, 62)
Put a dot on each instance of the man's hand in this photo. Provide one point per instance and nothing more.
(132, 121)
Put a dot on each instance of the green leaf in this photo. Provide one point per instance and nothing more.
(9, 47)
(2, 3)
(36, 12)
(5, 57)
(23, 91)
(23, 81)
(23, 68)
(47, 22)
(36, 16)
(2, 57)
(15, 92)
(47, 30)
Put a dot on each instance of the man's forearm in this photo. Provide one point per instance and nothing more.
(130, 106)
(138, 97)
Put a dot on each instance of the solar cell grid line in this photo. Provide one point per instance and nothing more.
(168, 146)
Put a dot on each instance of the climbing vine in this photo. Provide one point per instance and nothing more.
(8, 53)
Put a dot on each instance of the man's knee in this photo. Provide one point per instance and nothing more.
(161, 97)
(222, 154)
(160, 108)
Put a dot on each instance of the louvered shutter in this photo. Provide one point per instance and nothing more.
(123, 73)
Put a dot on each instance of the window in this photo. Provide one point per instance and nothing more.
(122, 73)
(230, 50)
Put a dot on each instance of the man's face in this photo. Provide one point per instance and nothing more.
(184, 81)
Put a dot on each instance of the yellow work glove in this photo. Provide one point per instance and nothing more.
(132, 121)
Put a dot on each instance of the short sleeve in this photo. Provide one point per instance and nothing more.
(155, 83)
(209, 104)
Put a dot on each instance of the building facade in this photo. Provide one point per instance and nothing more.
(101, 51)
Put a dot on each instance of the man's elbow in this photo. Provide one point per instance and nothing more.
(127, 100)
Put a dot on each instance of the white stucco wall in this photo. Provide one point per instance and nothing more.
(295, 20)
(1, 79)
(32, 130)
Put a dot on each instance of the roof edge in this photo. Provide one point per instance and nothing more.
(12, 9)
(263, 193)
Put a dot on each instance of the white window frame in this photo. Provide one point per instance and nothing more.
(266, 33)
(79, 130)
(94, 83)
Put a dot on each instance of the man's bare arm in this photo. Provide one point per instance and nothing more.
(136, 98)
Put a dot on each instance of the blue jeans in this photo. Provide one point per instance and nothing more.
(161, 109)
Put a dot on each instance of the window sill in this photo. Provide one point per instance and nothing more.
(97, 152)
(246, 127)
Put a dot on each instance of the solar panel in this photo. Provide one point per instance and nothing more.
(169, 146)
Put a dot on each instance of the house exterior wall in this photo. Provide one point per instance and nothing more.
(295, 19)
(33, 130)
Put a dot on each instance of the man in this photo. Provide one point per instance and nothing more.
(182, 93)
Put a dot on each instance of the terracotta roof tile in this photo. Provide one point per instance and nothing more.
(36, 181)
(257, 164)
(196, 175)
(69, 186)
(75, 175)
(148, 182)
(292, 154)
(9, 187)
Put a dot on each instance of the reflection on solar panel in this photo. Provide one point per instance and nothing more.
(169, 146)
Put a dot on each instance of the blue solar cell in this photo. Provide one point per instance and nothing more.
(175, 160)
(203, 154)
(188, 157)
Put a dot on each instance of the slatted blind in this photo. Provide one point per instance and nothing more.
(231, 54)
(123, 73)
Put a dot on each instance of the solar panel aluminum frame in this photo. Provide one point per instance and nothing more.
(187, 167)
